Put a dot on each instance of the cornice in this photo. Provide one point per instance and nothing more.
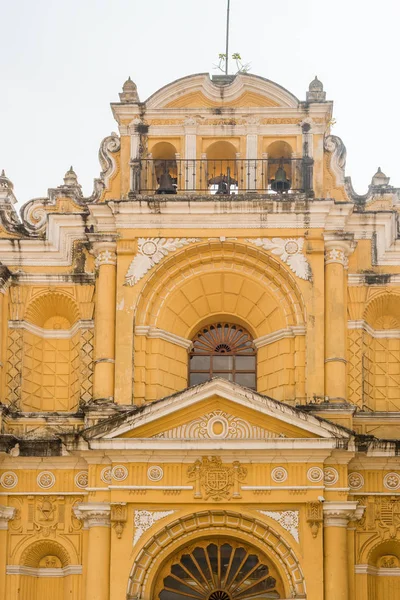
(278, 335)
(44, 572)
(375, 333)
(52, 333)
(156, 333)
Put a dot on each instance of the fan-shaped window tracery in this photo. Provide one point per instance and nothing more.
(223, 350)
(220, 571)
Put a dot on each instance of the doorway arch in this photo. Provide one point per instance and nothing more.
(233, 527)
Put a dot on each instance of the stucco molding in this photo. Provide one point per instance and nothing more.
(203, 83)
(150, 252)
(376, 571)
(52, 334)
(156, 333)
(280, 334)
(374, 333)
(290, 251)
(44, 572)
(336, 147)
(144, 519)
(288, 519)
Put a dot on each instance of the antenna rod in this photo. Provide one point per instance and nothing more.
(227, 39)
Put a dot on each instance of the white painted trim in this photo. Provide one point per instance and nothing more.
(150, 445)
(375, 333)
(234, 393)
(281, 487)
(156, 333)
(376, 571)
(44, 493)
(278, 335)
(52, 334)
(150, 487)
(43, 572)
(374, 493)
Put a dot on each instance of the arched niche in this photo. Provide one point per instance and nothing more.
(163, 161)
(381, 351)
(222, 168)
(380, 566)
(51, 358)
(190, 529)
(279, 149)
(209, 282)
(46, 572)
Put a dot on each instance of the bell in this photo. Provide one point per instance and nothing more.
(166, 185)
(281, 183)
(222, 187)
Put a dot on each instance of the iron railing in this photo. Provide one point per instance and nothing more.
(223, 176)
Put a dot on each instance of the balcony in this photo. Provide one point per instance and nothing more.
(225, 177)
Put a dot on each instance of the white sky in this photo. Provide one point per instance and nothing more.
(63, 62)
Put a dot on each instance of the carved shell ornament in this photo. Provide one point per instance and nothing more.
(290, 251)
(150, 252)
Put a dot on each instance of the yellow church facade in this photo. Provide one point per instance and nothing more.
(200, 362)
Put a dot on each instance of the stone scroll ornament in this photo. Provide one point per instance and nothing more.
(150, 252)
(289, 251)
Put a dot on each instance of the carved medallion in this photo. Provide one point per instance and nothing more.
(9, 479)
(215, 480)
(46, 479)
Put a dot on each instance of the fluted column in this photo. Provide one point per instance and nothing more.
(6, 514)
(337, 251)
(96, 517)
(104, 332)
(336, 577)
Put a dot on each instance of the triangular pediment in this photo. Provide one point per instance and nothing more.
(217, 410)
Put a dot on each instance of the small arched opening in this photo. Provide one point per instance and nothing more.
(223, 350)
(165, 167)
(281, 172)
(222, 171)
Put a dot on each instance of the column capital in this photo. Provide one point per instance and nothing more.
(105, 251)
(338, 248)
(338, 514)
(94, 514)
(7, 513)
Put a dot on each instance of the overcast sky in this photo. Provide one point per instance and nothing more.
(63, 62)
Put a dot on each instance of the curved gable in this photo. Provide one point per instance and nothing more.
(198, 91)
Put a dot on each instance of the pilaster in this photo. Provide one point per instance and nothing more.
(337, 250)
(96, 517)
(336, 574)
(104, 334)
(6, 514)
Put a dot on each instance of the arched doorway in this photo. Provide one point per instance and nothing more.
(219, 569)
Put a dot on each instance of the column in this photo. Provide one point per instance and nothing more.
(104, 331)
(5, 276)
(337, 249)
(189, 174)
(336, 576)
(252, 176)
(6, 514)
(96, 517)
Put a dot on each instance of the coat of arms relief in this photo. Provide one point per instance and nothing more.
(216, 480)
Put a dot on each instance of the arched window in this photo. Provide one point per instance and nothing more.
(223, 350)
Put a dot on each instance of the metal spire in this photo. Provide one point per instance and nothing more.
(227, 38)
